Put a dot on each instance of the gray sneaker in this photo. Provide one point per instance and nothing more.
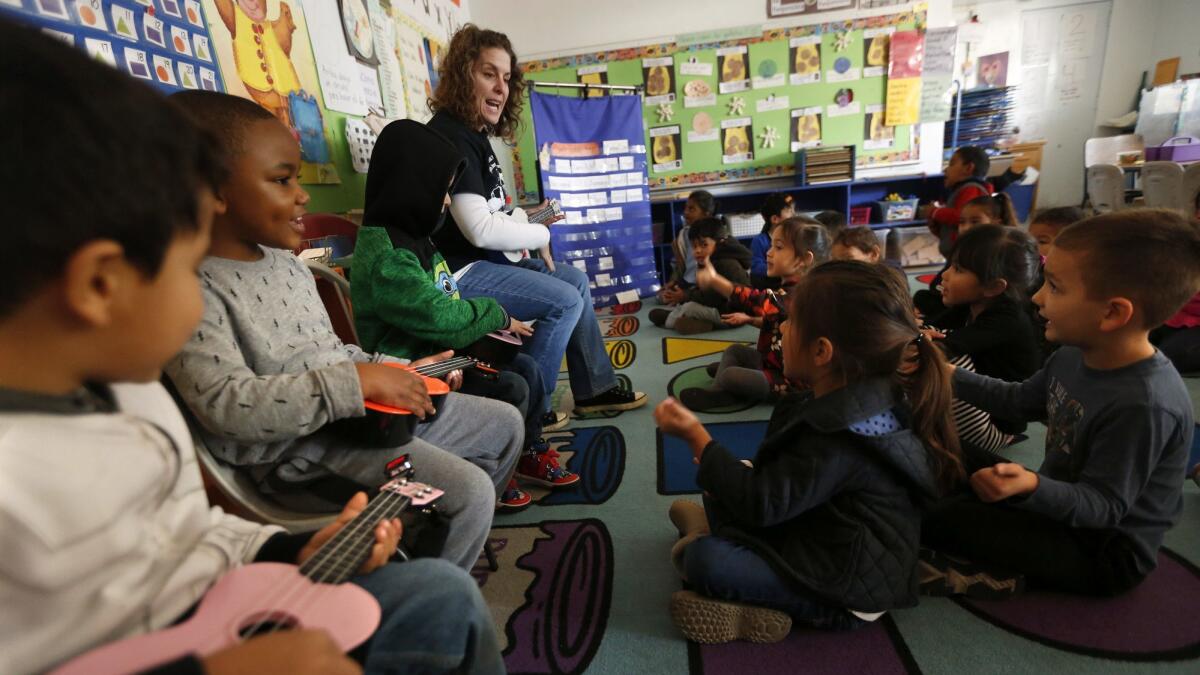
(712, 622)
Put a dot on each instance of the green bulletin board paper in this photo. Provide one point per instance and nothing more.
(702, 161)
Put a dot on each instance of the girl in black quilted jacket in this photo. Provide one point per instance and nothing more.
(822, 528)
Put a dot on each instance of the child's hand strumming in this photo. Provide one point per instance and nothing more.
(1002, 481)
(519, 327)
(397, 387)
(676, 420)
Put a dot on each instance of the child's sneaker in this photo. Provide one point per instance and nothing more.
(711, 622)
(703, 400)
(554, 420)
(513, 498)
(942, 575)
(539, 465)
(612, 400)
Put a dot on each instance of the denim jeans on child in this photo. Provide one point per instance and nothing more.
(726, 570)
(566, 323)
(434, 621)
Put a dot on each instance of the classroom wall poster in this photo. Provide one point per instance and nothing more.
(780, 8)
(410, 46)
(337, 69)
(733, 69)
(594, 74)
(937, 75)
(666, 148)
(283, 80)
(391, 80)
(169, 51)
(594, 163)
(659, 76)
(905, 60)
(438, 18)
(806, 128)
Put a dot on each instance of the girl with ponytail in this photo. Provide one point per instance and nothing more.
(823, 527)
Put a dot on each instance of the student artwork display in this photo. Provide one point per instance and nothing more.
(597, 74)
(168, 49)
(810, 84)
(594, 164)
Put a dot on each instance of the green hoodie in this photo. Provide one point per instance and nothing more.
(406, 302)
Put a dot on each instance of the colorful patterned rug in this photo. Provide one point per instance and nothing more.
(584, 579)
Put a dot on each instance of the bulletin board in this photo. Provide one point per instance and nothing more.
(163, 42)
(197, 52)
(741, 109)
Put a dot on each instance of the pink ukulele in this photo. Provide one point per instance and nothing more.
(265, 597)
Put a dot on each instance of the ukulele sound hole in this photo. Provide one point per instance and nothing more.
(265, 624)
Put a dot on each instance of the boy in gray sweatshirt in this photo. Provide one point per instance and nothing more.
(264, 374)
(1119, 422)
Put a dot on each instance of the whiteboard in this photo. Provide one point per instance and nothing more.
(1062, 55)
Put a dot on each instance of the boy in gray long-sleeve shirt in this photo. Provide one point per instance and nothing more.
(1119, 424)
(265, 374)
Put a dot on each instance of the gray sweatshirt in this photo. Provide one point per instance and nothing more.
(1117, 442)
(265, 368)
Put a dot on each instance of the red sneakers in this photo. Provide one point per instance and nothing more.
(539, 465)
(513, 498)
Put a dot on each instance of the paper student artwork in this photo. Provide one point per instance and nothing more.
(733, 69)
(735, 140)
(208, 79)
(843, 70)
(875, 54)
(702, 129)
(101, 50)
(200, 45)
(171, 8)
(153, 30)
(666, 148)
(767, 75)
(659, 76)
(806, 128)
(179, 40)
(136, 63)
(876, 135)
(594, 74)
(54, 8)
(164, 71)
(187, 75)
(844, 104)
(698, 94)
(805, 59)
(124, 23)
(191, 9)
(90, 14)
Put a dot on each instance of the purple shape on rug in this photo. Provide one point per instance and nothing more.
(869, 649)
(559, 628)
(1157, 619)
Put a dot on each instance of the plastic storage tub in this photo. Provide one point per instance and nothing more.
(1176, 149)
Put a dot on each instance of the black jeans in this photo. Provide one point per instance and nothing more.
(1051, 555)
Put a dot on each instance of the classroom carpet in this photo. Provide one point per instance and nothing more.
(584, 579)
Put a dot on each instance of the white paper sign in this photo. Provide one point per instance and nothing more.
(337, 70)
(835, 110)
(626, 163)
(772, 103)
(692, 67)
(616, 147)
(697, 137)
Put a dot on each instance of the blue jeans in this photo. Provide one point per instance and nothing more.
(726, 570)
(434, 621)
(566, 322)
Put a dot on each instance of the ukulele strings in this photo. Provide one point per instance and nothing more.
(287, 589)
(443, 367)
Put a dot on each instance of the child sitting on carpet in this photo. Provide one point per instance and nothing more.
(407, 303)
(1118, 417)
(749, 373)
(985, 210)
(823, 528)
(700, 204)
(702, 308)
(987, 326)
(776, 208)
